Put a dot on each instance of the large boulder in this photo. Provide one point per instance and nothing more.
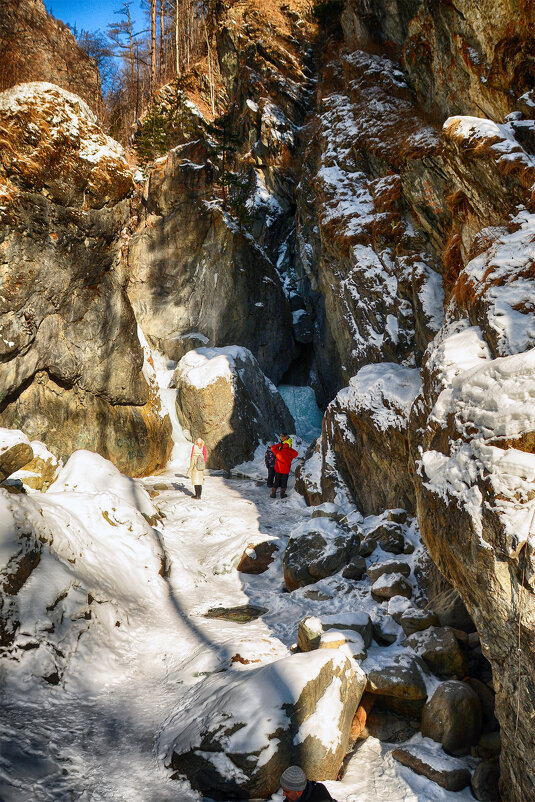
(223, 397)
(453, 717)
(439, 649)
(250, 726)
(71, 364)
(365, 442)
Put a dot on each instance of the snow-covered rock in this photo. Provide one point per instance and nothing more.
(223, 397)
(15, 451)
(317, 548)
(249, 727)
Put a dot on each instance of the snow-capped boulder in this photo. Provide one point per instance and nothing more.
(453, 717)
(400, 677)
(223, 397)
(450, 773)
(71, 365)
(365, 441)
(15, 451)
(249, 726)
(311, 629)
(317, 548)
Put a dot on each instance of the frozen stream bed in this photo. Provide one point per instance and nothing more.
(126, 602)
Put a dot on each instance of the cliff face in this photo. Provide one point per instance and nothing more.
(36, 47)
(461, 57)
(395, 193)
(71, 365)
(211, 260)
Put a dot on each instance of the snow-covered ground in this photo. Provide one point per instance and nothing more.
(112, 632)
(131, 650)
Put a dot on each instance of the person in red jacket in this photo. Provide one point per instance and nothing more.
(284, 454)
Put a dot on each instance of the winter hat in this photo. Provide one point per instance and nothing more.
(293, 779)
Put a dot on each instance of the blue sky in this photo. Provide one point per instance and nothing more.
(91, 15)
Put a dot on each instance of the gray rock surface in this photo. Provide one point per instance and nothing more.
(71, 366)
(223, 397)
(453, 717)
(450, 774)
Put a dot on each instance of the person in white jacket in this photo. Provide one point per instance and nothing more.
(197, 465)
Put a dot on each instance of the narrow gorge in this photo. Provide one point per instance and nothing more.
(324, 226)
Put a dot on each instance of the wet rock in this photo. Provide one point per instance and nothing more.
(257, 557)
(449, 773)
(486, 782)
(223, 397)
(453, 717)
(375, 570)
(439, 649)
(390, 585)
(235, 731)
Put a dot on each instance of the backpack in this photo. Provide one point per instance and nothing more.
(200, 463)
(269, 458)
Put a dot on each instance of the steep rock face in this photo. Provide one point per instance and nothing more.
(472, 428)
(364, 443)
(36, 47)
(371, 279)
(198, 278)
(209, 260)
(462, 57)
(72, 367)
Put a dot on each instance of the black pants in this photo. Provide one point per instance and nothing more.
(271, 476)
(198, 490)
(281, 480)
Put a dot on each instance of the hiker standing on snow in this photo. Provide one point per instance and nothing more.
(284, 454)
(295, 786)
(197, 464)
(269, 459)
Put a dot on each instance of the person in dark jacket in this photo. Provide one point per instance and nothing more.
(284, 454)
(269, 459)
(295, 786)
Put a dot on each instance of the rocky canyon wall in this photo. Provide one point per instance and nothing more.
(409, 205)
(36, 47)
(71, 367)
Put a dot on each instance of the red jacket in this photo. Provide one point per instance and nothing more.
(283, 457)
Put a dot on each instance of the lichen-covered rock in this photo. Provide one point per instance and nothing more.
(223, 397)
(71, 365)
(453, 717)
(237, 749)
